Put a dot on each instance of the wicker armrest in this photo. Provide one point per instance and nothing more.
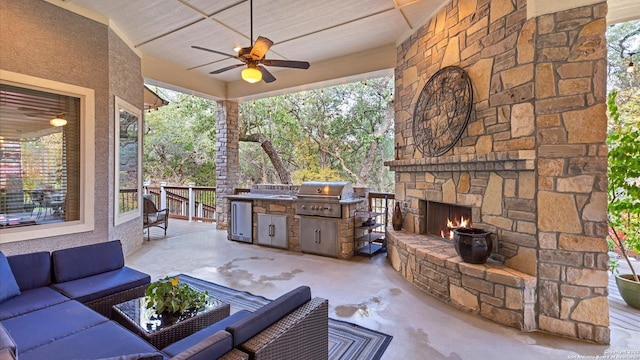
(303, 334)
(234, 354)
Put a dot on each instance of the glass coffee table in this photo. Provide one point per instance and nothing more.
(161, 332)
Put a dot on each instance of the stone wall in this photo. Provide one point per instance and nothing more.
(532, 161)
(227, 158)
(490, 290)
(491, 169)
(571, 122)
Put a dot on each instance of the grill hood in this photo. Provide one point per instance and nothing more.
(326, 190)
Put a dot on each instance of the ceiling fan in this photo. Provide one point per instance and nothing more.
(254, 58)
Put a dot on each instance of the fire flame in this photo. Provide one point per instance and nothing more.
(462, 223)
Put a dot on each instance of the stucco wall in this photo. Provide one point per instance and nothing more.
(45, 41)
(125, 81)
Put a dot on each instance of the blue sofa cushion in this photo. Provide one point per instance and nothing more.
(212, 347)
(106, 340)
(192, 340)
(30, 300)
(8, 285)
(6, 342)
(248, 327)
(83, 261)
(50, 324)
(104, 284)
(140, 356)
(31, 270)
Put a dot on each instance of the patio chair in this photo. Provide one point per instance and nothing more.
(153, 217)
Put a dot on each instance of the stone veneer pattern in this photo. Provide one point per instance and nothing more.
(493, 291)
(539, 120)
(346, 224)
(571, 122)
(227, 158)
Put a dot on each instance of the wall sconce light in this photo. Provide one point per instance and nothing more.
(58, 121)
(251, 75)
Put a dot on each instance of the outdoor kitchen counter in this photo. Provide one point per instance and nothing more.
(250, 196)
(279, 213)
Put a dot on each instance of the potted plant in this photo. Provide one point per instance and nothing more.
(624, 198)
(172, 299)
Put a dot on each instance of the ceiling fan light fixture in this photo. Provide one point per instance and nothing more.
(251, 75)
(57, 122)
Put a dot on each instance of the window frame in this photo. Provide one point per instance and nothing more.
(118, 217)
(87, 159)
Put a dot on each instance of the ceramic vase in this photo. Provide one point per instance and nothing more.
(397, 218)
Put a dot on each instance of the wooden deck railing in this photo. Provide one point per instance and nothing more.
(193, 203)
(198, 203)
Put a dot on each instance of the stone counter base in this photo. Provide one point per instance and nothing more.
(494, 291)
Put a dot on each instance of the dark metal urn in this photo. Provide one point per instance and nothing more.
(473, 245)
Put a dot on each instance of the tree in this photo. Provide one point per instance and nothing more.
(623, 40)
(624, 181)
(338, 133)
(180, 139)
(623, 139)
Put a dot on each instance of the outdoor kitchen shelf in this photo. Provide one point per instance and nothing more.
(367, 240)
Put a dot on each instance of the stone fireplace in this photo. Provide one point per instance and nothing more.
(440, 219)
(530, 166)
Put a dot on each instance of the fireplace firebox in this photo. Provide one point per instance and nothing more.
(442, 218)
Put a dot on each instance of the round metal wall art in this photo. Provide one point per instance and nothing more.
(442, 111)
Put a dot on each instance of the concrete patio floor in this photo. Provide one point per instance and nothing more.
(365, 291)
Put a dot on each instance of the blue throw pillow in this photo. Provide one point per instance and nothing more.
(8, 286)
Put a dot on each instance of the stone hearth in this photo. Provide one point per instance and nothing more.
(531, 164)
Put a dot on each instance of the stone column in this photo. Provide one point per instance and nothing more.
(227, 158)
(571, 129)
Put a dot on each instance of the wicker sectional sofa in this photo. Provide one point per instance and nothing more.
(58, 306)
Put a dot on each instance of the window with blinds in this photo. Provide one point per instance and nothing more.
(39, 157)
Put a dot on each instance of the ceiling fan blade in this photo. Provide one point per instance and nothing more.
(266, 75)
(287, 63)
(214, 51)
(260, 48)
(225, 69)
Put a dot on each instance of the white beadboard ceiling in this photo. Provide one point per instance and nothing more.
(305, 30)
(343, 40)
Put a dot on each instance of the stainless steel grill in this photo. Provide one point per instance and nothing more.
(323, 198)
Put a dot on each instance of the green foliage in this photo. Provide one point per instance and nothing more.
(170, 296)
(624, 175)
(622, 40)
(337, 133)
(179, 141)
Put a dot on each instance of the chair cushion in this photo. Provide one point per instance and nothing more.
(31, 270)
(30, 300)
(8, 285)
(6, 342)
(105, 340)
(212, 347)
(248, 327)
(192, 340)
(150, 219)
(50, 324)
(104, 284)
(83, 261)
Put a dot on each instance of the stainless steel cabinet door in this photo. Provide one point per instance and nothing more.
(319, 236)
(272, 230)
(241, 221)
